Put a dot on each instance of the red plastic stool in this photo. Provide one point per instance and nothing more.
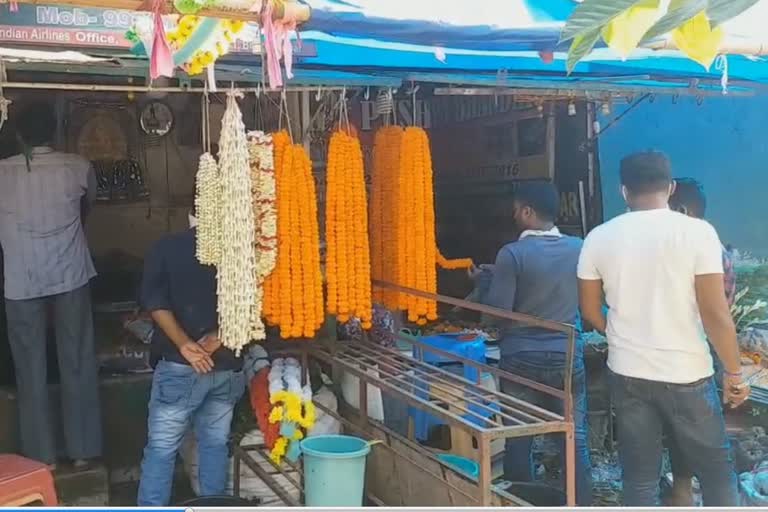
(25, 482)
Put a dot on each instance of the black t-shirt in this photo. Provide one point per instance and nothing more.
(175, 281)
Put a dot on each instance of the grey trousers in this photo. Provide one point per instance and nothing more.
(73, 319)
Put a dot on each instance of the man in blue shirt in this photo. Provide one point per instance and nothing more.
(536, 275)
(196, 380)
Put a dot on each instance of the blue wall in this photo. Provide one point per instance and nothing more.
(723, 143)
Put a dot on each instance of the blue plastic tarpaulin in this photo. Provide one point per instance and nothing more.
(479, 24)
(485, 36)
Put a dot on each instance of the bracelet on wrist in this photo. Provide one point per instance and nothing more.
(732, 374)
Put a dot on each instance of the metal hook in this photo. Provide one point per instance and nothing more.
(367, 94)
(319, 93)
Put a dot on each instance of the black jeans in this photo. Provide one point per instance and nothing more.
(694, 418)
(549, 369)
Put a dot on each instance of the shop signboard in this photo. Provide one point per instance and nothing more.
(74, 27)
(68, 27)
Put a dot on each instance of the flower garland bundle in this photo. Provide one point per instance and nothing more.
(207, 209)
(418, 256)
(198, 42)
(348, 265)
(236, 270)
(383, 207)
(294, 291)
(292, 408)
(260, 152)
(262, 408)
(276, 300)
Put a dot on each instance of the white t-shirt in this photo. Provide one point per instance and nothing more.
(647, 261)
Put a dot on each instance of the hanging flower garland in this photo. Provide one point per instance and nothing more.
(261, 407)
(276, 298)
(207, 209)
(383, 216)
(236, 274)
(197, 42)
(348, 265)
(293, 292)
(404, 246)
(292, 408)
(260, 152)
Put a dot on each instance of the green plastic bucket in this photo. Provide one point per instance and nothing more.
(334, 470)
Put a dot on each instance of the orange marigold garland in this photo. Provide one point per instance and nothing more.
(293, 292)
(403, 236)
(384, 214)
(348, 264)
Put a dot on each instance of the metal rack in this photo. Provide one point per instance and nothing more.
(481, 413)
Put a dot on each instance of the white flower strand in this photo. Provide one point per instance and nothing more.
(236, 274)
(207, 212)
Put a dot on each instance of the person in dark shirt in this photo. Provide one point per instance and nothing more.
(689, 199)
(536, 275)
(196, 380)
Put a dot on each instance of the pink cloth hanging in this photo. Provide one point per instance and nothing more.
(277, 45)
(13, 6)
(161, 59)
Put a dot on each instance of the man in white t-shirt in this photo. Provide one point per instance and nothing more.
(661, 273)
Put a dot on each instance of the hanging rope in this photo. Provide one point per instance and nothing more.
(284, 112)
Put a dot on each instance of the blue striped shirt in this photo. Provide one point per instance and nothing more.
(44, 247)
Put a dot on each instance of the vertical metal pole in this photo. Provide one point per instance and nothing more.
(550, 141)
(236, 476)
(591, 116)
(306, 119)
(583, 208)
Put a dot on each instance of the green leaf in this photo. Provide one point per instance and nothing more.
(720, 11)
(678, 13)
(580, 47)
(593, 14)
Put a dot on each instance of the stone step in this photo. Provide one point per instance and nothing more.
(82, 488)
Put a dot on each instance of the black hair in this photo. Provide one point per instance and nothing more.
(36, 124)
(689, 197)
(541, 197)
(646, 173)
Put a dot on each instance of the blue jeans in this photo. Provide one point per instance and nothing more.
(548, 368)
(694, 418)
(180, 398)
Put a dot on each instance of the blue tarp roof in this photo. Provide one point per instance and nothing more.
(375, 56)
(479, 24)
(487, 36)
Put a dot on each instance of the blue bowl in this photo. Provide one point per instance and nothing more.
(463, 465)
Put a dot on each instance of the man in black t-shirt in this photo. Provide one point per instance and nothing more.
(196, 380)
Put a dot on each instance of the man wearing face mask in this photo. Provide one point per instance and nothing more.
(661, 273)
(196, 382)
(536, 275)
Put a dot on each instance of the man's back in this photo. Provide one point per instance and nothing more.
(45, 250)
(648, 261)
(537, 276)
(175, 281)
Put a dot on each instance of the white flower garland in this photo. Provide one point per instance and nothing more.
(236, 270)
(207, 198)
